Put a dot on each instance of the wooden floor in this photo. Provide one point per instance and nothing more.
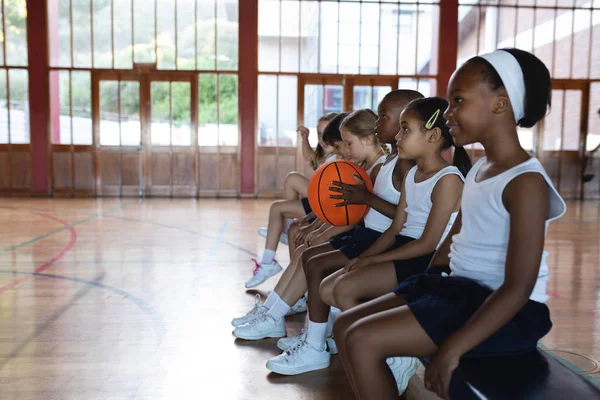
(126, 299)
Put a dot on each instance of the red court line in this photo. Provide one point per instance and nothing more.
(56, 258)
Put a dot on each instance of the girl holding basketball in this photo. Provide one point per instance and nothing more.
(493, 300)
(282, 209)
(427, 208)
(266, 320)
(295, 184)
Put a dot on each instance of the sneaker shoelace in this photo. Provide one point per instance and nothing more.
(257, 265)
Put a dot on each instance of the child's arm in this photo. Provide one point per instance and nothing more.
(306, 230)
(526, 200)
(307, 151)
(329, 231)
(444, 199)
(441, 258)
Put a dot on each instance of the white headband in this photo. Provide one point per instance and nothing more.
(507, 66)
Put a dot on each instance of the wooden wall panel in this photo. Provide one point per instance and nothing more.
(84, 171)
(21, 170)
(207, 172)
(287, 164)
(229, 173)
(4, 170)
(109, 168)
(161, 169)
(265, 174)
(61, 170)
(183, 169)
(131, 169)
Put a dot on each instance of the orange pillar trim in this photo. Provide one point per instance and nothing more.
(248, 91)
(447, 51)
(39, 93)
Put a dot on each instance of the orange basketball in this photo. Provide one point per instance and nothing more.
(318, 193)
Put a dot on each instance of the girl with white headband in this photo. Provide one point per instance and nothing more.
(492, 300)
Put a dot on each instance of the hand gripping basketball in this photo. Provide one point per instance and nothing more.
(324, 198)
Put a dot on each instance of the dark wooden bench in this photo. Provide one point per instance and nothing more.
(535, 375)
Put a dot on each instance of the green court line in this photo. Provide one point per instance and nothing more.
(64, 228)
(591, 379)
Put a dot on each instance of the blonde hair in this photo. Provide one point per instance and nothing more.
(361, 123)
(318, 156)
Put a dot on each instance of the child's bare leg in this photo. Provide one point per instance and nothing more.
(294, 186)
(363, 284)
(326, 288)
(281, 209)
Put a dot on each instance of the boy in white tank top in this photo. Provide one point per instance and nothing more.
(492, 302)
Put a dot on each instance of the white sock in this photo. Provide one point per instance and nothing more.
(286, 224)
(268, 256)
(279, 309)
(271, 299)
(334, 312)
(316, 334)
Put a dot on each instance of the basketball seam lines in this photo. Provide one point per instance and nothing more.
(345, 207)
(319, 193)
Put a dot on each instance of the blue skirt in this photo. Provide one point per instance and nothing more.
(443, 304)
(354, 243)
(412, 266)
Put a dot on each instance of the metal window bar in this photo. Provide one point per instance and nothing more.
(92, 30)
(216, 42)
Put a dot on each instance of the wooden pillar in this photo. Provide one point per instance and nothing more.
(248, 89)
(39, 93)
(447, 44)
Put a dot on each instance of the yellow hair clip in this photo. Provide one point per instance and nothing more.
(432, 120)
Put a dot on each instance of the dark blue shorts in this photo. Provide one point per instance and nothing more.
(354, 243)
(443, 304)
(412, 266)
(306, 205)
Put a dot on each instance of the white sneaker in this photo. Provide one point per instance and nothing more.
(403, 369)
(301, 358)
(283, 238)
(289, 342)
(262, 272)
(258, 308)
(299, 307)
(261, 327)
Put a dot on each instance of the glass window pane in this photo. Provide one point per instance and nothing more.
(166, 34)
(160, 130)
(582, 49)
(227, 35)
(207, 110)
(1, 27)
(81, 88)
(64, 90)
(181, 122)
(122, 33)
(102, 35)
(228, 110)
(363, 97)
(388, 31)
(131, 129)
(206, 38)
(379, 93)
(267, 110)
(309, 46)
(109, 113)
(595, 46)
(424, 87)
(288, 110)
(408, 35)
(426, 36)
(369, 39)
(329, 37)
(186, 41)
(3, 108)
(16, 32)
(313, 106)
(82, 31)
(144, 31)
(349, 38)
(19, 106)
(290, 32)
(268, 35)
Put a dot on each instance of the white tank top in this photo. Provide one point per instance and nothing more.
(329, 158)
(381, 160)
(478, 252)
(418, 202)
(383, 188)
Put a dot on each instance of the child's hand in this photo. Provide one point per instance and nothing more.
(310, 239)
(357, 263)
(304, 132)
(300, 238)
(350, 194)
(439, 372)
